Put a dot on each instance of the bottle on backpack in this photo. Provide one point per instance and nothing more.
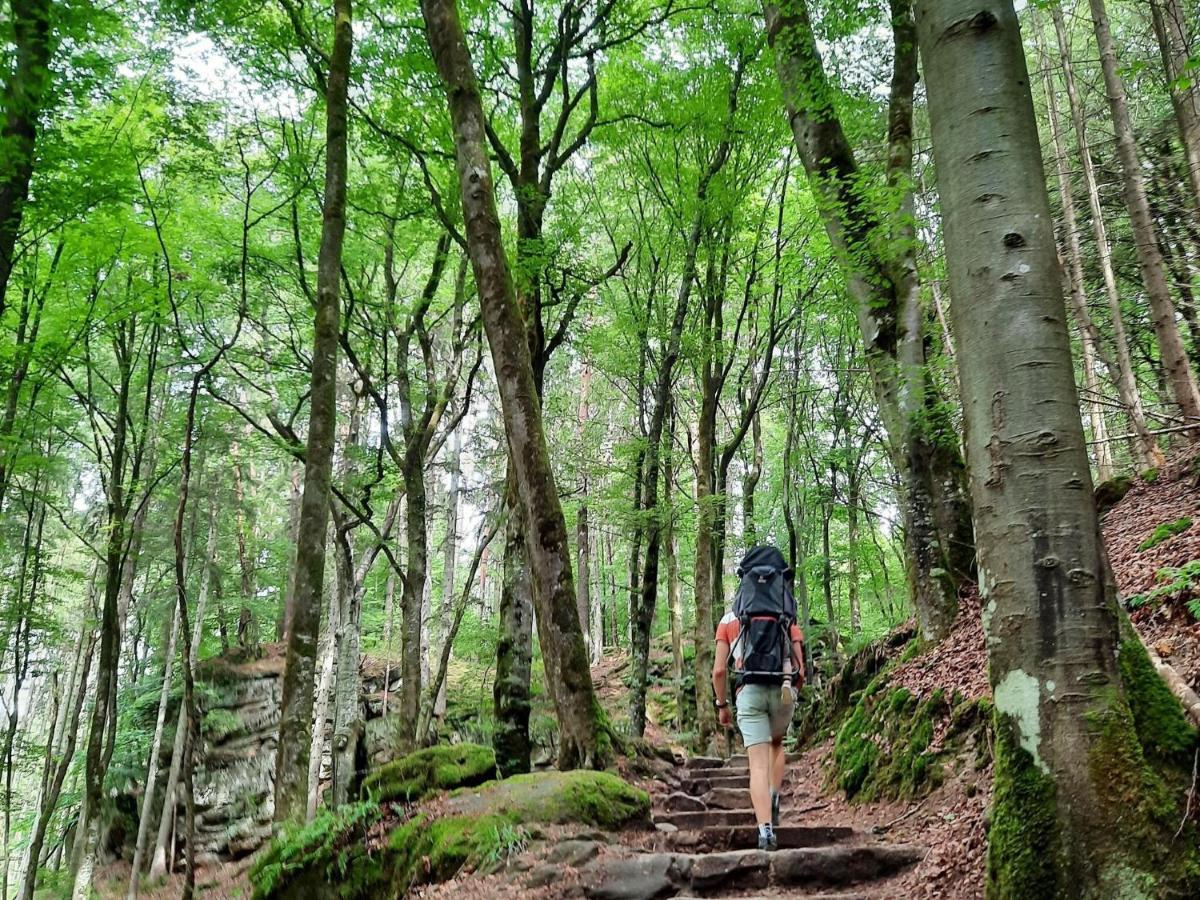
(765, 607)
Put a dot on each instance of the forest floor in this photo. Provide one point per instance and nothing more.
(948, 822)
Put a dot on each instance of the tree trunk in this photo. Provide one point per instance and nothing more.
(1068, 757)
(449, 554)
(24, 94)
(674, 594)
(882, 279)
(583, 735)
(582, 539)
(348, 725)
(328, 663)
(295, 716)
(750, 485)
(135, 872)
(1171, 29)
(412, 598)
(1089, 335)
(853, 500)
(1145, 447)
(514, 650)
(1162, 309)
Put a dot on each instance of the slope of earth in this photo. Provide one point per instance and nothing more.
(1153, 541)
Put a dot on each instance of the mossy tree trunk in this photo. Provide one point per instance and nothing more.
(881, 277)
(514, 651)
(584, 736)
(1069, 762)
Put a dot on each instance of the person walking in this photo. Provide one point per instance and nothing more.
(760, 636)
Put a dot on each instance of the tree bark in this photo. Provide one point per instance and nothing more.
(295, 716)
(159, 859)
(514, 649)
(884, 285)
(1145, 447)
(22, 101)
(1089, 335)
(1171, 29)
(584, 734)
(1175, 361)
(1068, 757)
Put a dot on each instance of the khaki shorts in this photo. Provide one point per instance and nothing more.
(763, 713)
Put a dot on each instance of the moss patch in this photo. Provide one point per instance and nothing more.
(1112, 492)
(323, 851)
(1024, 845)
(1143, 859)
(1162, 728)
(882, 750)
(344, 859)
(422, 774)
(1164, 531)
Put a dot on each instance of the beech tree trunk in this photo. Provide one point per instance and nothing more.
(24, 94)
(1145, 447)
(882, 280)
(583, 736)
(1068, 758)
(295, 716)
(1175, 361)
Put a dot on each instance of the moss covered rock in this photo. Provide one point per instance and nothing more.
(882, 749)
(357, 855)
(422, 774)
(1112, 492)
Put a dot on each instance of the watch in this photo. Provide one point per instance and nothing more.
(720, 705)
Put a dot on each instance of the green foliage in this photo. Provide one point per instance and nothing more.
(1173, 581)
(426, 772)
(1164, 531)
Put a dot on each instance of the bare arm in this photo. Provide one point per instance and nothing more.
(720, 671)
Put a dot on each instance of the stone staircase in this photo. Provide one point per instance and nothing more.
(705, 848)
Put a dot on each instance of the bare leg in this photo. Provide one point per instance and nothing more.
(760, 781)
(778, 764)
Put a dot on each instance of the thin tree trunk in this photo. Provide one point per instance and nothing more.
(295, 717)
(582, 736)
(1067, 752)
(139, 851)
(160, 859)
(328, 662)
(1175, 361)
(348, 724)
(583, 581)
(450, 548)
(853, 500)
(1171, 29)
(1089, 335)
(1146, 449)
(750, 484)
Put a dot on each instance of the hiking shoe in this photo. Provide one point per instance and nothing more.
(768, 842)
(774, 810)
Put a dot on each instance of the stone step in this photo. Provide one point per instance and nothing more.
(728, 798)
(700, 785)
(712, 818)
(646, 876)
(741, 837)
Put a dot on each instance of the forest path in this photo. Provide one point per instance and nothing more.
(703, 819)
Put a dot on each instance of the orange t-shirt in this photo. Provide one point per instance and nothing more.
(729, 629)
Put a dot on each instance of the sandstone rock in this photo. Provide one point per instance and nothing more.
(573, 853)
(681, 802)
(634, 878)
(743, 868)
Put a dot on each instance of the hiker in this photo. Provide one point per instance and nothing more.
(760, 635)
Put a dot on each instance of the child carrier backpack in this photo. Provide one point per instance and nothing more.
(765, 608)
